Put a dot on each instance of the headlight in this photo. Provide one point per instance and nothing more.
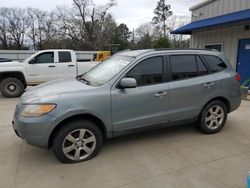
(34, 110)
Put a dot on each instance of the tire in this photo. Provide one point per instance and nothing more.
(11, 87)
(77, 148)
(213, 117)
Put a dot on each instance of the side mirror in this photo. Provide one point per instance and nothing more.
(32, 61)
(128, 83)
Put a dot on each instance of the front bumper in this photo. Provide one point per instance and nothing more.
(34, 130)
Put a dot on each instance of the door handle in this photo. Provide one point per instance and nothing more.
(161, 94)
(209, 84)
(71, 65)
(51, 66)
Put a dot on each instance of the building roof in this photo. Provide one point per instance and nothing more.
(200, 4)
(225, 19)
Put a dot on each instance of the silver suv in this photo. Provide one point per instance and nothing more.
(131, 91)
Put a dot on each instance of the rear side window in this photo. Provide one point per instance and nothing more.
(202, 70)
(215, 63)
(147, 72)
(64, 57)
(186, 66)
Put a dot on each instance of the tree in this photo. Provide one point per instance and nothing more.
(162, 43)
(144, 29)
(174, 22)
(145, 36)
(84, 26)
(145, 42)
(122, 34)
(162, 13)
(4, 35)
(91, 19)
(13, 26)
(42, 27)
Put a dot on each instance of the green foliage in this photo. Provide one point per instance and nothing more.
(122, 34)
(145, 42)
(162, 43)
(162, 13)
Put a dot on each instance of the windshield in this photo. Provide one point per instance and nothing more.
(106, 70)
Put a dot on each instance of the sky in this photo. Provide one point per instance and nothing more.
(131, 12)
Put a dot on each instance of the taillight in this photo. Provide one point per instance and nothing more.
(237, 77)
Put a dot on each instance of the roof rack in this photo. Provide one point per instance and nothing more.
(123, 51)
(161, 49)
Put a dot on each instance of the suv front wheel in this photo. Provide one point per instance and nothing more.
(213, 117)
(77, 141)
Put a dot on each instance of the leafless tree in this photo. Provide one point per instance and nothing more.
(16, 25)
(84, 26)
(173, 23)
(91, 18)
(4, 35)
(42, 27)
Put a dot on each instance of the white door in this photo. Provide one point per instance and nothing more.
(65, 65)
(41, 68)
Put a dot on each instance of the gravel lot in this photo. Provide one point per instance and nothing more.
(173, 157)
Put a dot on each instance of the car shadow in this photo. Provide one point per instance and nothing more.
(151, 135)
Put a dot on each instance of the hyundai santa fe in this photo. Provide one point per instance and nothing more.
(130, 91)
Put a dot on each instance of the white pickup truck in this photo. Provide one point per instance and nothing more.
(41, 67)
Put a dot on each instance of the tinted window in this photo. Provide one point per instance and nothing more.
(201, 67)
(64, 57)
(183, 66)
(149, 71)
(47, 57)
(215, 63)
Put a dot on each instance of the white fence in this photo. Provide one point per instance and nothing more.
(19, 55)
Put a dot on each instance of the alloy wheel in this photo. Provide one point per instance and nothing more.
(214, 117)
(79, 144)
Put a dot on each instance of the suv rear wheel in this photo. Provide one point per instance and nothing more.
(213, 117)
(77, 141)
(11, 87)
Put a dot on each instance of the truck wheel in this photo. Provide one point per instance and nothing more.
(11, 87)
(77, 141)
(213, 117)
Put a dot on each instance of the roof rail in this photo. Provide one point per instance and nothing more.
(123, 51)
(161, 49)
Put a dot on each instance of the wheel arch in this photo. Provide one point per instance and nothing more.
(85, 116)
(15, 74)
(222, 99)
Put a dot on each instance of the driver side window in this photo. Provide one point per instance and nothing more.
(47, 57)
(148, 71)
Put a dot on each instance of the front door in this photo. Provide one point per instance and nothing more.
(42, 68)
(243, 63)
(146, 104)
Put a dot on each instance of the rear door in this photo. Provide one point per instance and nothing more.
(64, 65)
(189, 86)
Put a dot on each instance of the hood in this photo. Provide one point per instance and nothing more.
(53, 89)
(11, 64)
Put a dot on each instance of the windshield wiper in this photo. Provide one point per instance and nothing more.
(81, 79)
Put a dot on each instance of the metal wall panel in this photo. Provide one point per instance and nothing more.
(229, 36)
(219, 7)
